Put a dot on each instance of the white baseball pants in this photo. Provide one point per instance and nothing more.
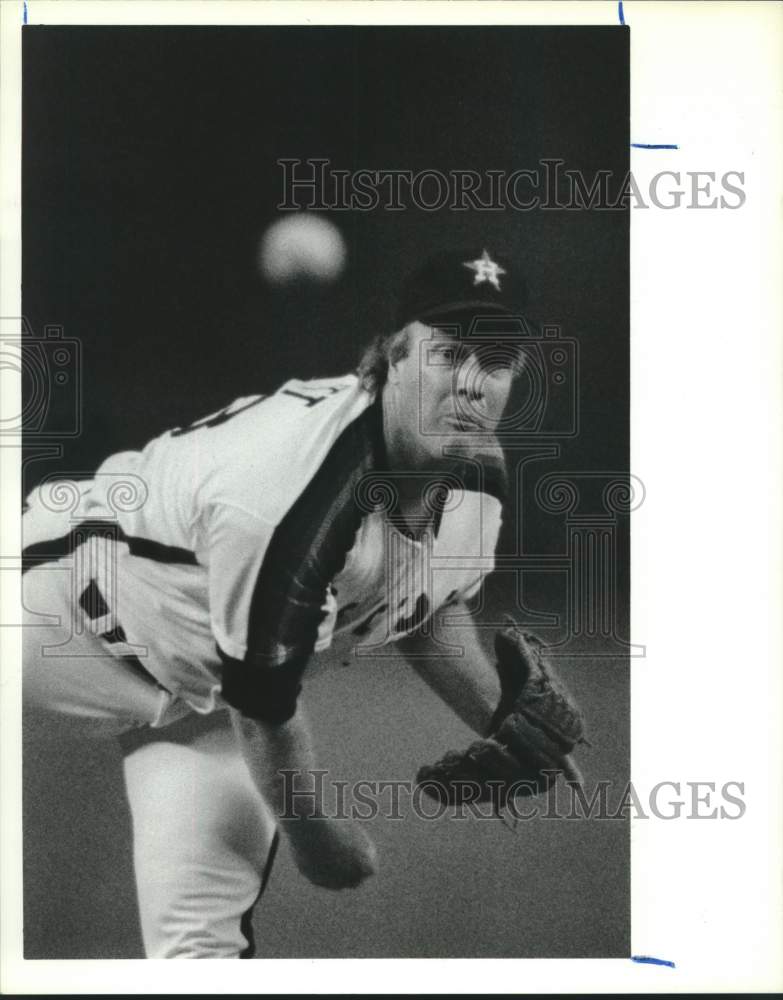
(203, 838)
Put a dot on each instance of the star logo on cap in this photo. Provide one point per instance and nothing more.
(485, 269)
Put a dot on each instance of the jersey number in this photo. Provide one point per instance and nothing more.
(215, 419)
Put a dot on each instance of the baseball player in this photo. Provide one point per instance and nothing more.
(201, 575)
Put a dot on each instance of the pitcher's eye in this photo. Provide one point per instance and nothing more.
(441, 354)
(496, 359)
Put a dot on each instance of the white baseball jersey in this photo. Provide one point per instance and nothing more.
(256, 535)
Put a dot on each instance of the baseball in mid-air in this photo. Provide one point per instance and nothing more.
(301, 246)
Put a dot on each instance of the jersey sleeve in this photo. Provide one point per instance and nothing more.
(265, 610)
(489, 531)
(269, 583)
(486, 477)
(236, 544)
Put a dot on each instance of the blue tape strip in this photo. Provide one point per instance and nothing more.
(648, 960)
(643, 145)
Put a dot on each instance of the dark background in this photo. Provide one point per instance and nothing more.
(149, 174)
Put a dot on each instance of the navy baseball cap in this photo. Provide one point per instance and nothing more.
(462, 287)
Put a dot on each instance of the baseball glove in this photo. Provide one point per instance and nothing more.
(533, 731)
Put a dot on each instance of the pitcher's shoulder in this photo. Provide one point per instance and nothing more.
(293, 435)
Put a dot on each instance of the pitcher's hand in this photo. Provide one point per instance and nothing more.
(333, 854)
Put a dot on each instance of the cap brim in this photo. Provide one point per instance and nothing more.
(454, 310)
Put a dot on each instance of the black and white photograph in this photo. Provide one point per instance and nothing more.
(327, 494)
(341, 450)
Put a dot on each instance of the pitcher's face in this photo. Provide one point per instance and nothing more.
(441, 390)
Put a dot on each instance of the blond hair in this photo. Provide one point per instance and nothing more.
(386, 349)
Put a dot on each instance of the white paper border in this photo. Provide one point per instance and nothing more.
(706, 386)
